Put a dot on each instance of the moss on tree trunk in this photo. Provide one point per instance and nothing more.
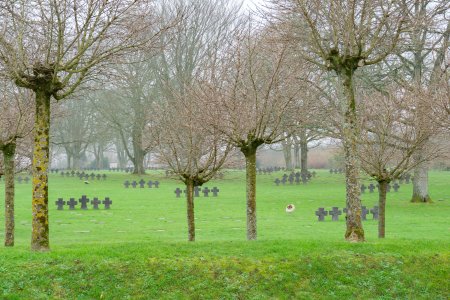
(8, 155)
(382, 192)
(250, 160)
(40, 163)
(190, 210)
(355, 231)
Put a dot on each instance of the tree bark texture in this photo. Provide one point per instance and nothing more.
(297, 163)
(8, 155)
(40, 228)
(190, 210)
(420, 184)
(287, 151)
(250, 160)
(304, 156)
(139, 154)
(355, 231)
(382, 192)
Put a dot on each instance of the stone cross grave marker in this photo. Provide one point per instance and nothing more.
(364, 213)
(60, 203)
(304, 178)
(283, 180)
(321, 213)
(313, 174)
(27, 179)
(178, 192)
(92, 176)
(291, 179)
(277, 182)
(371, 187)
(407, 178)
(297, 177)
(156, 184)
(95, 203)
(72, 203)
(142, 183)
(107, 202)
(134, 184)
(363, 188)
(396, 187)
(126, 183)
(104, 176)
(197, 191)
(72, 174)
(205, 191)
(19, 179)
(388, 188)
(215, 190)
(84, 201)
(334, 213)
(98, 176)
(150, 184)
(374, 211)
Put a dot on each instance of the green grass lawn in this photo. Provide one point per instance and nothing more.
(138, 249)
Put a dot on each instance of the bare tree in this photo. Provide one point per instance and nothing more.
(250, 102)
(15, 124)
(191, 151)
(389, 140)
(51, 48)
(343, 36)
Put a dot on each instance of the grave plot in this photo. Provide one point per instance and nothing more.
(83, 201)
(197, 190)
(335, 212)
(141, 183)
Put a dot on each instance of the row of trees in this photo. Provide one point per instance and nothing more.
(197, 83)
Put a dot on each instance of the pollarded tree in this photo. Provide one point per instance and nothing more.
(389, 138)
(16, 123)
(51, 47)
(343, 36)
(191, 151)
(250, 101)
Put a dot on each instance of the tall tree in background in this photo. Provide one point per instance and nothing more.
(51, 48)
(422, 61)
(16, 122)
(343, 36)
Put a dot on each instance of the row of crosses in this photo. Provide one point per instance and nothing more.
(197, 191)
(84, 201)
(141, 183)
(336, 212)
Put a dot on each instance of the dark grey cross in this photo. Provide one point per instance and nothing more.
(334, 213)
(388, 188)
(363, 188)
(304, 178)
(277, 182)
(407, 178)
(126, 184)
(142, 183)
(156, 184)
(321, 213)
(313, 173)
(134, 184)
(67, 174)
(84, 201)
(205, 192)
(77, 173)
(371, 187)
(283, 180)
(72, 203)
(20, 179)
(291, 179)
(27, 179)
(396, 187)
(60, 203)
(98, 176)
(150, 184)
(95, 203)
(92, 176)
(285, 177)
(178, 192)
(104, 176)
(374, 211)
(364, 213)
(197, 191)
(72, 173)
(215, 190)
(107, 202)
(400, 179)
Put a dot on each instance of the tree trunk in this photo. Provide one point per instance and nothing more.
(139, 155)
(297, 164)
(190, 210)
(382, 208)
(250, 162)
(420, 184)
(40, 229)
(287, 149)
(69, 160)
(355, 231)
(304, 156)
(8, 155)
